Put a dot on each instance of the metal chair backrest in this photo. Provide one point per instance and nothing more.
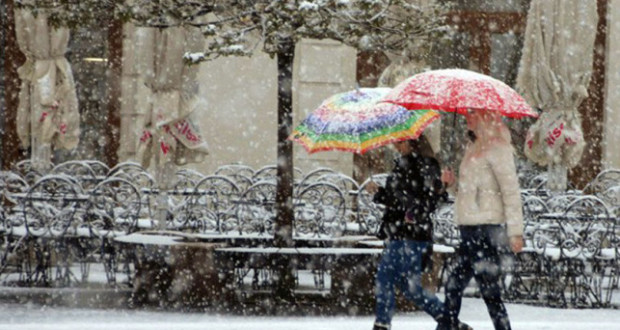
(255, 210)
(79, 170)
(586, 227)
(603, 181)
(51, 204)
(114, 208)
(320, 210)
(533, 207)
(369, 213)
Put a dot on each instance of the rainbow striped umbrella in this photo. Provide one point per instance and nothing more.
(355, 122)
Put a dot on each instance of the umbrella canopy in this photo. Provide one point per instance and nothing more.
(171, 134)
(48, 107)
(355, 122)
(457, 90)
(554, 75)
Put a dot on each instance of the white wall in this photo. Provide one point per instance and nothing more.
(322, 68)
(240, 121)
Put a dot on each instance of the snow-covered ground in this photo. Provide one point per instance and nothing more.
(37, 317)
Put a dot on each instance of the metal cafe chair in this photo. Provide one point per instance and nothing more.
(113, 211)
(255, 209)
(51, 209)
(25, 169)
(178, 196)
(603, 181)
(525, 283)
(11, 217)
(446, 238)
(215, 194)
(320, 211)
(79, 170)
(369, 213)
(144, 181)
(350, 190)
(585, 233)
(269, 172)
(100, 169)
(229, 169)
(312, 176)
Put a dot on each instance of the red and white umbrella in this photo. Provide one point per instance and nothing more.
(457, 90)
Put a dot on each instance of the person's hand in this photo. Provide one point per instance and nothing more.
(372, 187)
(516, 244)
(447, 177)
(408, 218)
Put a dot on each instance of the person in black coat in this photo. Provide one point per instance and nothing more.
(411, 194)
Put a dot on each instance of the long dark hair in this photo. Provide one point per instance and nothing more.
(421, 146)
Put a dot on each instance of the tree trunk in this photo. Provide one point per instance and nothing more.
(13, 58)
(592, 109)
(113, 102)
(283, 236)
(284, 202)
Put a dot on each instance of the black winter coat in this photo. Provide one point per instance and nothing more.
(413, 187)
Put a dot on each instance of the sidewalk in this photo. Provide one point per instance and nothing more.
(524, 317)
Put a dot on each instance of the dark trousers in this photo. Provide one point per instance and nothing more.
(401, 267)
(478, 256)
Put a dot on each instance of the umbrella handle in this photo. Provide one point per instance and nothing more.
(452, 156)
(449, 155)
(370, 168)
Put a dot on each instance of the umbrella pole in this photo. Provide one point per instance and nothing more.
(40, 152)
(557, 177)
(164, 171)
(449, 157)
(165, 176)
(369, 161)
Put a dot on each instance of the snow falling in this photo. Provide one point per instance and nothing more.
(185, 164)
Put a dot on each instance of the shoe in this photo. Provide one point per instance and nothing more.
(379, 326)
(442, 325)
(464, 326)
(460, 326)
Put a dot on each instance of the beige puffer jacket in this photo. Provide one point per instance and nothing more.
(488, 189)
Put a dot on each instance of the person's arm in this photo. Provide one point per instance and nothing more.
(430, 192)
(449, 181)
(439, 188)
(503, 166)
(380, 197)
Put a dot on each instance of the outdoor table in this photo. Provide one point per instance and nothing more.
(306, 257)
(178, 268)
(352, 270)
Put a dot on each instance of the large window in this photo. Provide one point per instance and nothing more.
(87, 53)
(488, 38)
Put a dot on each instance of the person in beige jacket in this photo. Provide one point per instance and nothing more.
(488, 213)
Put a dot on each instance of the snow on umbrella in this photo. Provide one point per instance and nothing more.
(354, 121)
(457, 90)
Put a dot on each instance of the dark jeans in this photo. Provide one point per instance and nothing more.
(478, 256)
(401, 266)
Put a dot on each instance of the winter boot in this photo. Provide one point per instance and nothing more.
(445, 325)
(380, 326)
(442, 323)
(464, 326)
